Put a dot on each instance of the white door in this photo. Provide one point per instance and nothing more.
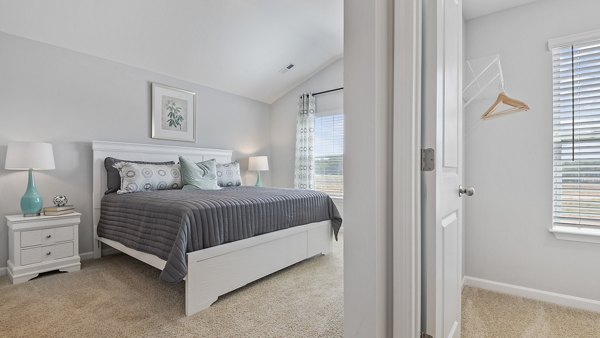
(442, 131)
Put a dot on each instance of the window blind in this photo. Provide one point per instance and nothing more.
(576, 134)
(329, 154)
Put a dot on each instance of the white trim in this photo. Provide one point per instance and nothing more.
(573, 39)
(3, 271)
(536, 294)
(572, 233)
(407, 169)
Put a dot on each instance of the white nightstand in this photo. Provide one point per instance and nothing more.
(42, 243)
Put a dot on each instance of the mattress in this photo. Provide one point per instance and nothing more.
(171, 223)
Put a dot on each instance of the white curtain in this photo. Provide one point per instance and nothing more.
(305, 136)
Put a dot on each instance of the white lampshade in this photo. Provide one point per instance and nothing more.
(29, 155)
(258, 163)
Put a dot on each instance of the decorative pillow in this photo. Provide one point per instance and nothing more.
(228, 174)
(113, 179)
(137, 177)
(201, 175)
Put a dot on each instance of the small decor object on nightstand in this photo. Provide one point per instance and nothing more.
(57, 211)
(258, 164)
(30, 156)
(60, 207)
(40, 244)
(60, 200)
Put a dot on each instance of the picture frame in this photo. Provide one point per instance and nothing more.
(173, 113)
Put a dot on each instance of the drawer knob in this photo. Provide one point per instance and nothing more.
(48, 236)
(48, 253)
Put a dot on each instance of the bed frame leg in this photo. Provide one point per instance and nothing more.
(328, 247)
(193, 306)
(195, 299)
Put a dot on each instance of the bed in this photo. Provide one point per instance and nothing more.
(239, 251)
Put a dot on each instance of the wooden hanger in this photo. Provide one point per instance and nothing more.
(516, 105)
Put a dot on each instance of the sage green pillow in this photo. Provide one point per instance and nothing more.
(201, 175)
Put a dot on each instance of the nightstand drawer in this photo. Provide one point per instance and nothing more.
(31, 238)
(46, 253)
(31, 256)
(57, 251)
(56, 235)
(46, 236)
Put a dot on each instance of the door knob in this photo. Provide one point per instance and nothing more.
(469, 191)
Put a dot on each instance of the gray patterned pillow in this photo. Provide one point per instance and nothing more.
(228, 174)
(137, 177)
(113, 179)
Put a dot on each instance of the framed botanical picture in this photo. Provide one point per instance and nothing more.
(173, 113)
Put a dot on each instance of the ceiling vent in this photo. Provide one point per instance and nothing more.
(286, 68)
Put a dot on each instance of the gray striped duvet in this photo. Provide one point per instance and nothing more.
(171, 223)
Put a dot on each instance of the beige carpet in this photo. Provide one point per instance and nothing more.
(490, 314)
(118, 296)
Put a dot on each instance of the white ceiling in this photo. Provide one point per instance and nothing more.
(237, 46)
(475, 8)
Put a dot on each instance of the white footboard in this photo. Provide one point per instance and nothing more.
(216, 271)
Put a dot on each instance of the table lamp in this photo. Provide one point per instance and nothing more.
(30, 156)
(258, 164)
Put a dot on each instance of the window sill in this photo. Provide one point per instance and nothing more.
(573, 233)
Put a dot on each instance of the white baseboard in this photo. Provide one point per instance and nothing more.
(544, 296)
(3, 271)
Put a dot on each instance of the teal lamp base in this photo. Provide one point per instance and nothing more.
(258, 180)
(31, 202)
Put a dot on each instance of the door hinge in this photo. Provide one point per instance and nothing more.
(425, 335)
(427, 159)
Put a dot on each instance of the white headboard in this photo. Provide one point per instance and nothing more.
(139, 152)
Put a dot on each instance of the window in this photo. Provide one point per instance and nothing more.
(576, 134)
(329, 154)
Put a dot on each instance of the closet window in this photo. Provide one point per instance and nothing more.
(329, 153)
(576, 126)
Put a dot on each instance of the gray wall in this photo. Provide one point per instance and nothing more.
(509, 159)
(367, 168)
(284, 113)
(55, 95)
